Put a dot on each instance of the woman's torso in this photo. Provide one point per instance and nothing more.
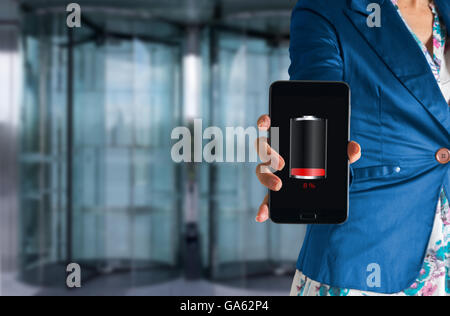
(400, 118)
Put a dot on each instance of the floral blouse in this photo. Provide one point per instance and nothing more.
(439, 37)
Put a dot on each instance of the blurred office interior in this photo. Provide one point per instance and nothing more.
(86, 174)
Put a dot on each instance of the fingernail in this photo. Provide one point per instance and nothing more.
(276, 184)
(274, 163)
(273, 183)
(278, 188)
(283, 164)
(261, 218)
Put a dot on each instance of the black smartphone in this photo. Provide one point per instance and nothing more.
(310, 128)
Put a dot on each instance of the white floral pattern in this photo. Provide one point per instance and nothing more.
(439, 39)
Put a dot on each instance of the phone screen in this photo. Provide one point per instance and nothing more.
(311, 121)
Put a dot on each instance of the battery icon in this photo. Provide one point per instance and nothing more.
(308, 153)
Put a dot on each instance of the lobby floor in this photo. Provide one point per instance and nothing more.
(109, 285)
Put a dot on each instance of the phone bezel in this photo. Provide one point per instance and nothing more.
(329, 89)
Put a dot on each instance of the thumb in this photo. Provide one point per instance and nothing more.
(354, 152)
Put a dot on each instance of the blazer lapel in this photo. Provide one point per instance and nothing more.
(394, 44)
(444, 10)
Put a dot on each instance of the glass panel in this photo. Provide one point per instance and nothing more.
(42, 149)
(126, 185)
(126, 199)
(241, 247)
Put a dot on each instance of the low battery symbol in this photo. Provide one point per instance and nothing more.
(308, 156)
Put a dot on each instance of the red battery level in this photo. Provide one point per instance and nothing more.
(308, 152)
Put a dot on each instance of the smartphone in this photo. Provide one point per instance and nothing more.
(310, 129)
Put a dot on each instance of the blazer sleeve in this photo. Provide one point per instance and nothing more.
(314, 49)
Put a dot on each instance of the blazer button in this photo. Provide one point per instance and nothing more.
(443, 156)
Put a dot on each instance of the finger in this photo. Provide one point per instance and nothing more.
(263, 212)
(269, 156)
(354, 151)
(267, 178)
(264, 122)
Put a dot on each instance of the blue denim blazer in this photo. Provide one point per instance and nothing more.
(400, 118)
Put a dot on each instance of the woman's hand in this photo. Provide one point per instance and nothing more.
(271, 181)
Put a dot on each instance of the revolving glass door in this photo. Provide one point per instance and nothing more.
(101, 107)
